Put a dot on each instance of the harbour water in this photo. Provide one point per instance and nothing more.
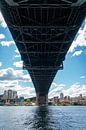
(43, 118)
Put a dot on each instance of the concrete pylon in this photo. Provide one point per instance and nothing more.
(41, 99)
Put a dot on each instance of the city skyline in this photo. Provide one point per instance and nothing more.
(71, 80)
(11, 95)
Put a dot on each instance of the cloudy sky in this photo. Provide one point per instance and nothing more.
(71, 80)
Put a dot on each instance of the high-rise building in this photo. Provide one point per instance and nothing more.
(61, 96)
(56, 99)
(10, 94)
(5, 95)
(80, 97)
(68, 97)
(15, 94)
(1, 97)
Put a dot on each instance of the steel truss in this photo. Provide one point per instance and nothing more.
(43, 33)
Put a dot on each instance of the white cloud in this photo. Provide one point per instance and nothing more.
(0, 64)
(21, 90)
(55, 92)
(7, 43)
(26, 91)
(4, 85)
(54, 85)
(73, 90)
(9, 79)
(16, 56)
(10, 74)
(17, 51)
(18, 64)
(82, 77)
(55, 89)
(57, 85)
(2, 36)
(80, 40)
(77, 53)
(2, 21)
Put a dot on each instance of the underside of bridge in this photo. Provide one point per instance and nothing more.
(43, 31)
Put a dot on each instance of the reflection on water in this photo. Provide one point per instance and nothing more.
(57, 118)
(43, 118)
(40, 120)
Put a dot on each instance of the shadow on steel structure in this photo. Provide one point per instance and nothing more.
(43, 32)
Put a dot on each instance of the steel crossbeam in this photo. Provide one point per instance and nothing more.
(43, 32)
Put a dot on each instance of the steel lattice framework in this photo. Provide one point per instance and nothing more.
(43, 31)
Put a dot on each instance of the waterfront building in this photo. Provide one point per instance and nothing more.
(56, 99)
(10, 94)
(65, 98)
(61, 96)
(32, 99)
(74, 99)
(1, 97)
(5, 95)
(80, 97)
(50, 100)
(69, 98)
(15, 96)
(20, 101)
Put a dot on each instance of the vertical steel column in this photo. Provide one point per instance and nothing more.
(41, 99)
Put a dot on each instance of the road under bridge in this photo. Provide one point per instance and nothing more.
(43, 31)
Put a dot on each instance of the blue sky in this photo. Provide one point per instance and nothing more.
(71, 80)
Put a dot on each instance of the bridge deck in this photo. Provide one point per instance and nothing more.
(43, 32)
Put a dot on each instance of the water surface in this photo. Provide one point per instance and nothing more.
(43, 118)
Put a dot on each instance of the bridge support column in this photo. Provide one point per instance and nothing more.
(42, 99)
